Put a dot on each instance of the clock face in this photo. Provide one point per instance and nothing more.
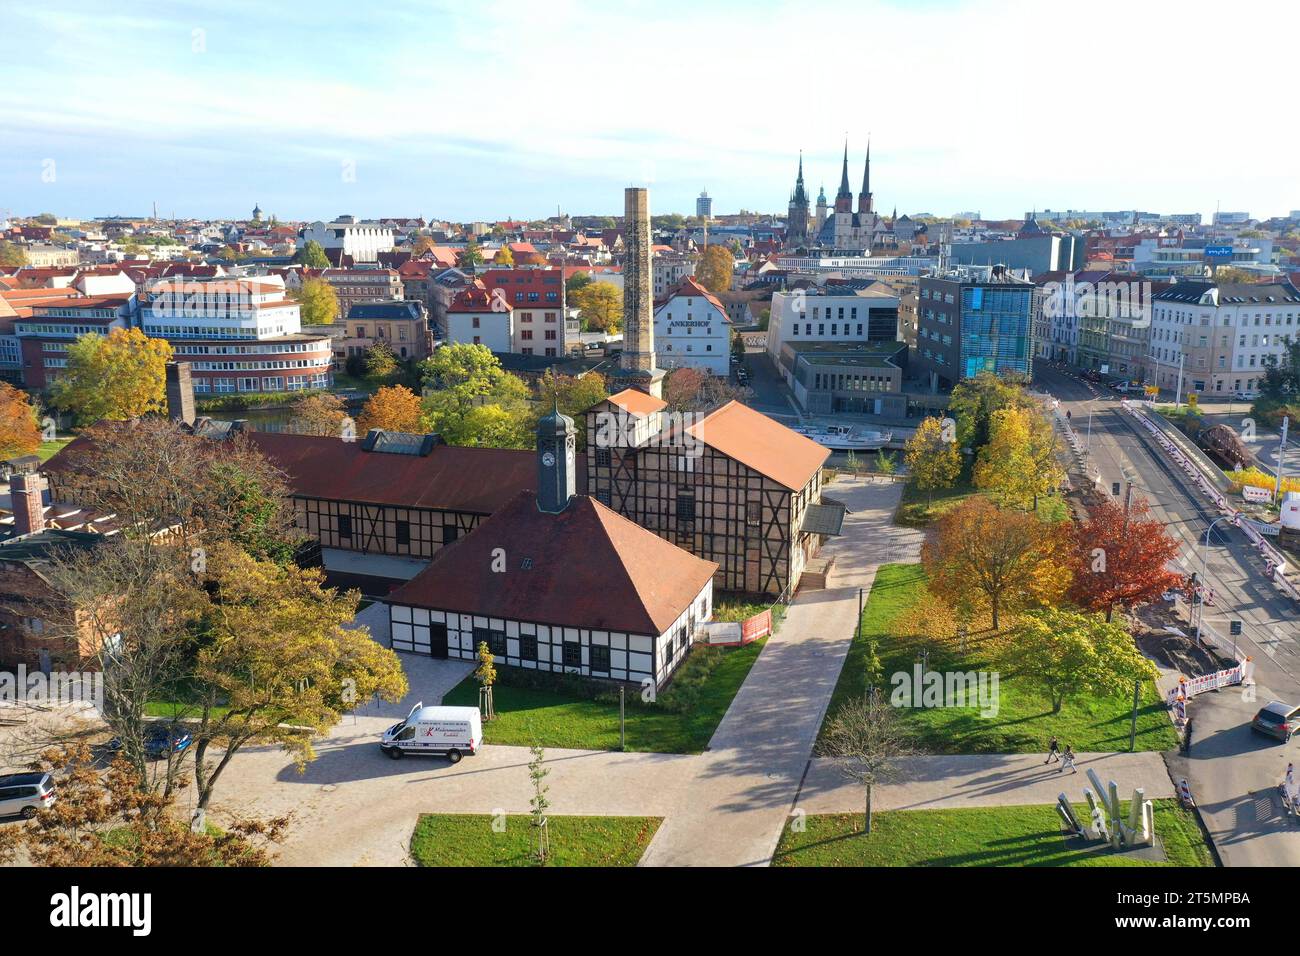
(548, 459)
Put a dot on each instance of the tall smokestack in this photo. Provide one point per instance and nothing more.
(637, 367)
(26, 493)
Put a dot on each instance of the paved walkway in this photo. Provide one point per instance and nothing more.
(947, 782)
(733, 810)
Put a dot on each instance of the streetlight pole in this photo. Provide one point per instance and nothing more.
(1204, 562)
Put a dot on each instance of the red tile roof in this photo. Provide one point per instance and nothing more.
(762, 444)
(475, 480)
(637, 402)
(590, 567)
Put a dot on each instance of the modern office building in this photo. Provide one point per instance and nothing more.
(971, 320)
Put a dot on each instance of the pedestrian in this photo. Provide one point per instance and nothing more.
(1067, 760)
(1290, 778)
(1053, 750)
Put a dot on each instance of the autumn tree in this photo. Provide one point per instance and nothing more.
(1234, 275)
(393, 408)
(1019, 462)
(600, 305)
(19, 432)
(973, 402)
(983, 556)
(575, 282)
(312, 255)
(319, 414)
(932, 457)
(691, 389)
(504, 257)
(274, 662)
(12, 254)
(1069, 654)
(317, 302)
(715, 269)
(119, 376)
(1121, 559)
(381, 362)
(102, 818)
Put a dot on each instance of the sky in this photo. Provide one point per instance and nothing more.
(490, 110)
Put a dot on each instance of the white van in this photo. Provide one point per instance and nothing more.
(454, 731)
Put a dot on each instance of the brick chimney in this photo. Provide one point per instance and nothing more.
(26, 492)
(180, 393)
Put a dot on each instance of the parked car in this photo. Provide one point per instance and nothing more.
(25, 794)
(1277, 720)
(451, 731)
(158, 739)
(1244, 396)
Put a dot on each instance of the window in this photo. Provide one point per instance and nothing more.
(599, 658)
(572, 654)
(495, 640)
(448, 533)
(527, 647)
(685, 507)
(345, 526)
(603, 459)
(403, 532)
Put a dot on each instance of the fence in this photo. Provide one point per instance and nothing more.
(739, 633)
(1275, 563)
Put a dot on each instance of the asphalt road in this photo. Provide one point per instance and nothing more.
(1232, 772)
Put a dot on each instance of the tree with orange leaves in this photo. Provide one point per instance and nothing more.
(19, 433)
(1120, 559)
(393, 408)
(980, 554)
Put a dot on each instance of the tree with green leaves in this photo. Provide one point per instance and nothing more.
(312, 255)
(575, 282)
(471, 255)
(318, 303)
(1069, 654)
(471, 400)
(381, 362)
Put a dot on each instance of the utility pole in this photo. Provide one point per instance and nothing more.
(1178, 394)
(1281, 456)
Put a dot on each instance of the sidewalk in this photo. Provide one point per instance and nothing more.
(955, 781)
(732, 812)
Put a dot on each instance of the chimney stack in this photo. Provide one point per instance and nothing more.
(26, 492)
(180, 393)
(637, 367)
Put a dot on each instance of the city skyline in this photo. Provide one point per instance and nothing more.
(507, 111)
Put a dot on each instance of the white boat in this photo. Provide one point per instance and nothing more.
(845, 438)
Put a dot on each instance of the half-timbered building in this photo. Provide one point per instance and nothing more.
(556, 581)
(731, 486)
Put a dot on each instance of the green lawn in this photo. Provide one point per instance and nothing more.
(919, 509)
(681, 721)
(454, 839)
(992, 836)
(1024, 721)
(50, 448)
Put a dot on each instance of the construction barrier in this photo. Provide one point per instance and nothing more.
(1272, 556)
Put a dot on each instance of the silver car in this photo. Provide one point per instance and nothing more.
(25, 794)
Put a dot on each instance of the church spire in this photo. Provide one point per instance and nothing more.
(844, 198)
(864, 197)
(800, 195)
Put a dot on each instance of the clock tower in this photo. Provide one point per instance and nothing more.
(556, 461)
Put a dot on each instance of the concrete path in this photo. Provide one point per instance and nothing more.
(947, 782)
(733, 810)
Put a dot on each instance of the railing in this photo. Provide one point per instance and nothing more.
(1275, 562)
